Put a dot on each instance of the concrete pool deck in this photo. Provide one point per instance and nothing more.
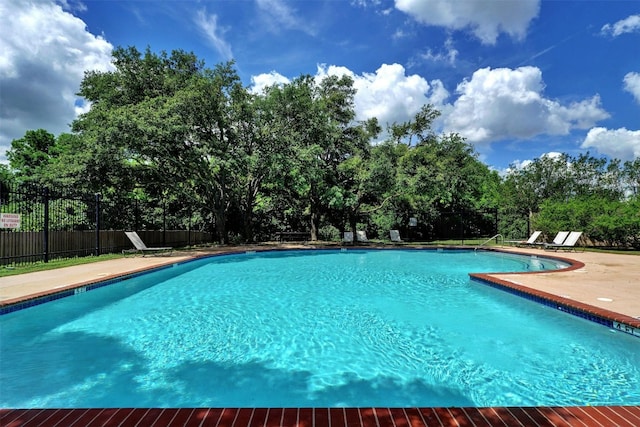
(607, 281)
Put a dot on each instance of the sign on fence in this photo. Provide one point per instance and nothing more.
(9, 220)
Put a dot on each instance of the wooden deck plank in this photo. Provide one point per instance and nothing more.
(415, 417)
(290, 417)
(14, 417)
(616, 418)
(258, 417)
(352, 416)
(274, 417)
(623, 416)
(134, 417)
(633, 413)
(571, 417)
(384, 417)
(32, 418)
(321, 417)
(430, 418)
(337, 417)
(207, 416)
(460, 417)
(368, 416)
(597, 415)
(94, 417)
(243, 416)
(532, 414)
(476, 417)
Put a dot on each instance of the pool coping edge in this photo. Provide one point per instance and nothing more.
(614, 320)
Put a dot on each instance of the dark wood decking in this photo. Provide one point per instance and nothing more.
(588, 416)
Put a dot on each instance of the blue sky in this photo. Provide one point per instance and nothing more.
(518, 79)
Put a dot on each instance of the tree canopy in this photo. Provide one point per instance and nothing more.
(163, 127)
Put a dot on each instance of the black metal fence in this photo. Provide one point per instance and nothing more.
(454, 226)
(38, 224)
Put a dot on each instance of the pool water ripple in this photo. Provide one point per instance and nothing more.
(362, 328)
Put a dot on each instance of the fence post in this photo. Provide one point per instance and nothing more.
(136, 216)
(45, 229)
(97, 196)
(463, 223)
(164, 221)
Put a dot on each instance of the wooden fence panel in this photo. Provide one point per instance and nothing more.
(18, 247)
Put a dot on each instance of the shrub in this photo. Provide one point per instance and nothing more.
(611, 222)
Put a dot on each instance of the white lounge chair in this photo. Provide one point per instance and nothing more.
(530, 241)
(558, 240)
(347, 237)
(395, 236)
(568, 244)
(141, 247)
(361, 236)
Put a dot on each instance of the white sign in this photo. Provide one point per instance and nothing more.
(413, 222)
(9, 220)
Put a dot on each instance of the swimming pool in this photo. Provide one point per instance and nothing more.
(313, 328)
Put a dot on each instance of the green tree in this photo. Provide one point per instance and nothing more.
(317, 119)
(525, 189)
(382, 198)
(443, 174)
(31, 154)
(588, 175)
(6, 177)
(261, 158)
(164, 123)
(631, 178)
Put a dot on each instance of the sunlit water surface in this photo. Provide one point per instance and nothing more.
(313, 328)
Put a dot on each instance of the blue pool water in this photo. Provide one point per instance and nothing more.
(313, 328)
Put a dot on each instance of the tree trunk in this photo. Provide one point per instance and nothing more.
(353, 223)
(247, 214)
(314, 225)
(221, 226)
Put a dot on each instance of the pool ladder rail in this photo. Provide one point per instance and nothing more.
(488, 240)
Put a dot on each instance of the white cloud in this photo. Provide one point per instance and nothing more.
(262, 81)
(280, 15)
(620, 143)
(448, 56)
(486, 19)
(389, 94)
(495, 104)
(365, 3)
(208, 24)
(517, 165)
(44, 52)
(632, 85)
(72, 5)
(630, 24)
(503, 103)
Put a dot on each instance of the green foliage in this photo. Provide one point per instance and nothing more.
(384, 220)
(329, 233)
(611, 222)
(173, 143)
(30, 154)
(6, 177)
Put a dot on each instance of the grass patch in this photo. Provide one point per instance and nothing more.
(70, 262)
(51, 265)
(614, 251)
